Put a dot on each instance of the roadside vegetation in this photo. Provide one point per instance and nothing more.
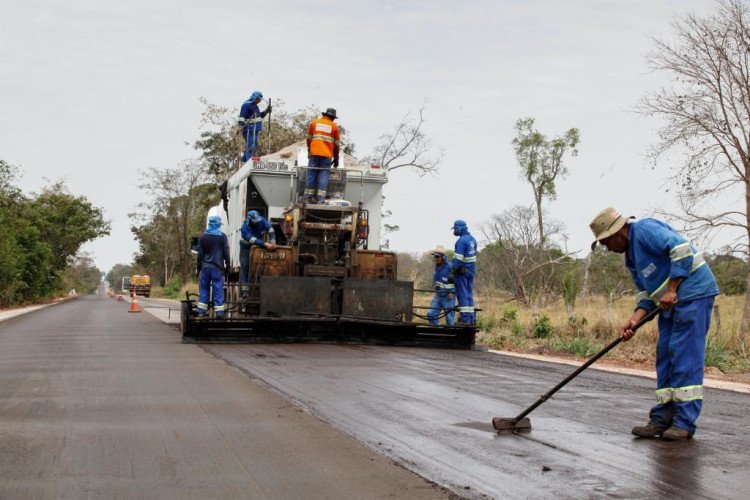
(41, 239)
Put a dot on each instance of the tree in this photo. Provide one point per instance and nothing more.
(82, 275)
(407, 146)
(66, 222)
(42, 233)
(513, 258)
(221, 145)
(179, 199)
(706, 116)
(541, 162)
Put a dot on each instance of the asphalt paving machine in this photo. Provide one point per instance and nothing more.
(327, 280)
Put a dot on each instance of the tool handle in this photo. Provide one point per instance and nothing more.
(588, 363)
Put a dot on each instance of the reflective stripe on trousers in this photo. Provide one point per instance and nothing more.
(688, 393)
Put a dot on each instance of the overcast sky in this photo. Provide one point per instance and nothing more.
(91, 91)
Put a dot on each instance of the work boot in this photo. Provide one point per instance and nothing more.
(649, 430)
(675, 433)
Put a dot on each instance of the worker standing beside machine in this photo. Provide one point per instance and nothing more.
(445, 299)
(464, 267)
(672, 275)
(213, 261)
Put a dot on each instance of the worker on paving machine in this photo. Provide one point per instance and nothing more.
(251, 121)
(671, 274)
(323, 141)
(213, 262)
(445, 299)
(252, 231)
(464, 267)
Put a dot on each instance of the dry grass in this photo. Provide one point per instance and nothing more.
(505, 325)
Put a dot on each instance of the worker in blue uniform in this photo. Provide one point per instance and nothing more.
(671, 274)
(464, 267)
(445, 299)
(213, 262)
(251, 121)
(252, 231)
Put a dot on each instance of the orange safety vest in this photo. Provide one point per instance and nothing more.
(323, 135)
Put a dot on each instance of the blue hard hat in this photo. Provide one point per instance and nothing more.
(256, 94)
(254, 216)
(459, 223)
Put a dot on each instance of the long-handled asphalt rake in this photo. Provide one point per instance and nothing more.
(521, 423)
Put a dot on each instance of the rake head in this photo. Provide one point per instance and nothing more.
(505, 425)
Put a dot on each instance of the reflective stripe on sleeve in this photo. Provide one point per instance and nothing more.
(469, 259)
(681, 251)
(446, 286)
(641, 296)
(458, 256)
(687, 393)
(253, 240)
(698, 261)
(664, 395)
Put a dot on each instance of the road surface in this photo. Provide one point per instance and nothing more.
(431, 411)
(99, 403)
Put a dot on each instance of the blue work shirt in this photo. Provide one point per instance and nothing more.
(657, 253)
(443, 282)
(251, 118)
(253, 232)
(213, 250)
(465, 252)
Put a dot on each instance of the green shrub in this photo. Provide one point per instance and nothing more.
(172, 289)
(509, 313)
(542, 327)
(579, 346)
(486, 322)
(517, 329)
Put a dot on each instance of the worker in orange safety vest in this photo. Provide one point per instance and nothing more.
(323, 141)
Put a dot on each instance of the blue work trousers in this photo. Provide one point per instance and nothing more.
(465, 295)
(317, 177)
(244, 270)
(211, 280)
(680, 362)
(251, 143)
(439, 304)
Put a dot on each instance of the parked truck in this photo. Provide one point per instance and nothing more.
(140, 285)
(328, 280)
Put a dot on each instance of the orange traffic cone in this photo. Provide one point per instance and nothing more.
(134, 304)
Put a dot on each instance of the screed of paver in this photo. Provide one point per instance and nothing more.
(431, 410)
(95, 402)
